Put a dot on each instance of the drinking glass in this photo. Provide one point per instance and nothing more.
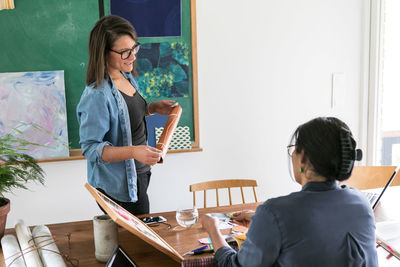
(187, 217)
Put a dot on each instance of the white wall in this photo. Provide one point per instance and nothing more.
(265, 66)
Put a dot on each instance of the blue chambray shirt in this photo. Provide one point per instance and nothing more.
(104, 121)
(321, 225)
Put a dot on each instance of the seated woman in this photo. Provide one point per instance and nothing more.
(321, 225)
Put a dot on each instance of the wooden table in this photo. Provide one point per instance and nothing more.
(81, 245)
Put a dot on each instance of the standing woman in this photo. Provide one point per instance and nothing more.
(111, 115)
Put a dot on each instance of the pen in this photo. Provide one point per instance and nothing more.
(173, 104)
(196, 251)
(200, 248)
(202, 251)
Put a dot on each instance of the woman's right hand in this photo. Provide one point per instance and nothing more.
(243, 217)
(147, 154)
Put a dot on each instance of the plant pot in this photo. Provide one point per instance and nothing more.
(4, 209)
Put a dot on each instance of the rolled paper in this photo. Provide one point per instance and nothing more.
(169, 128)
(27, 245)
(11, 251)
(47, 247)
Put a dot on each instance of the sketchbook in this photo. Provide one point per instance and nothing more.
(133, 224)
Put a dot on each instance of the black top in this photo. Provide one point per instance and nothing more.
(137, 111)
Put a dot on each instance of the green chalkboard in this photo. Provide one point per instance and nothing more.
(47, 35)
(50, 35)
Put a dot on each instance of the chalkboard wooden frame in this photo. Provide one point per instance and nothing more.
(49, 35)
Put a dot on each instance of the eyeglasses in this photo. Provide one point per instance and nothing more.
(291, 149)
(127, 53)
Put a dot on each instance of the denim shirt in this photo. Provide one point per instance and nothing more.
(322, 225)
(104, 121)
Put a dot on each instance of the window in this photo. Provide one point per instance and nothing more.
(385, 83)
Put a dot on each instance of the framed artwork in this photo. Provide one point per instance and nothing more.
(167, 60)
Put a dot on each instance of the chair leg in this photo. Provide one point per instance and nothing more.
(255, 195)
(216, 190)
(205, 198)
(230, 196)
(241, 190)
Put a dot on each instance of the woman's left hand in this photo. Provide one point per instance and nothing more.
(162, 107)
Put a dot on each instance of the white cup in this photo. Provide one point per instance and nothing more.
(105, 237)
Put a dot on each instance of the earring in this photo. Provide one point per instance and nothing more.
(301, 170)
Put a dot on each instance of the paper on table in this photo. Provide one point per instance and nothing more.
(388, 235)
(11, 251)
(25, 240)
(224, 220)
(50, 253)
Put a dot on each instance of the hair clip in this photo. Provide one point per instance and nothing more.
(358, 154)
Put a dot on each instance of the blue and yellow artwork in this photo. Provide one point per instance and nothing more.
(163, 70)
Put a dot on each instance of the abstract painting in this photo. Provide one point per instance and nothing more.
(33, 107)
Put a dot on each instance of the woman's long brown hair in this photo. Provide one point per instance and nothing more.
(102, 37)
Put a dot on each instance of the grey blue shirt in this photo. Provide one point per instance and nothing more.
(104, 121)
(321, 225)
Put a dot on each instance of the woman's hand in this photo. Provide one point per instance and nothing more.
(209, 223)
(147, 154)
(243, 217)
(162, 107)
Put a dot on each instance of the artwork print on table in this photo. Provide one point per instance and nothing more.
(163, 70)
(34, 104)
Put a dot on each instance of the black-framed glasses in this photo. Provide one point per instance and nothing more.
(291, 149)
(127, 53)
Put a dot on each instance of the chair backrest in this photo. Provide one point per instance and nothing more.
(219, 184)
(368, 177)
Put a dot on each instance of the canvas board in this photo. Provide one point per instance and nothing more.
(133, 224)
(33, 107)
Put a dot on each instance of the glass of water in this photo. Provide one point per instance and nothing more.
(187, 217)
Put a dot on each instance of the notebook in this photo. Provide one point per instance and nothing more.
(374, 198)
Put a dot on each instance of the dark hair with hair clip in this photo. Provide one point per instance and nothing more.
(349, 154)
(328, 144)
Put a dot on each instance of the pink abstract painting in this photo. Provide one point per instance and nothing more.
(32, 106)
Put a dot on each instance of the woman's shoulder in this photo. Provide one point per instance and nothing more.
(101, 88)
(277, 202)
(96, 94)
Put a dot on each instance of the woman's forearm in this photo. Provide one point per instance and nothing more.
(117, 153)
(217, 239)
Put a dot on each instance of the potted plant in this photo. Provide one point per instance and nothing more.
(16, 169)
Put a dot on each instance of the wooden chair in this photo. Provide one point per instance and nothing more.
(369, 177)
(220, 184)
